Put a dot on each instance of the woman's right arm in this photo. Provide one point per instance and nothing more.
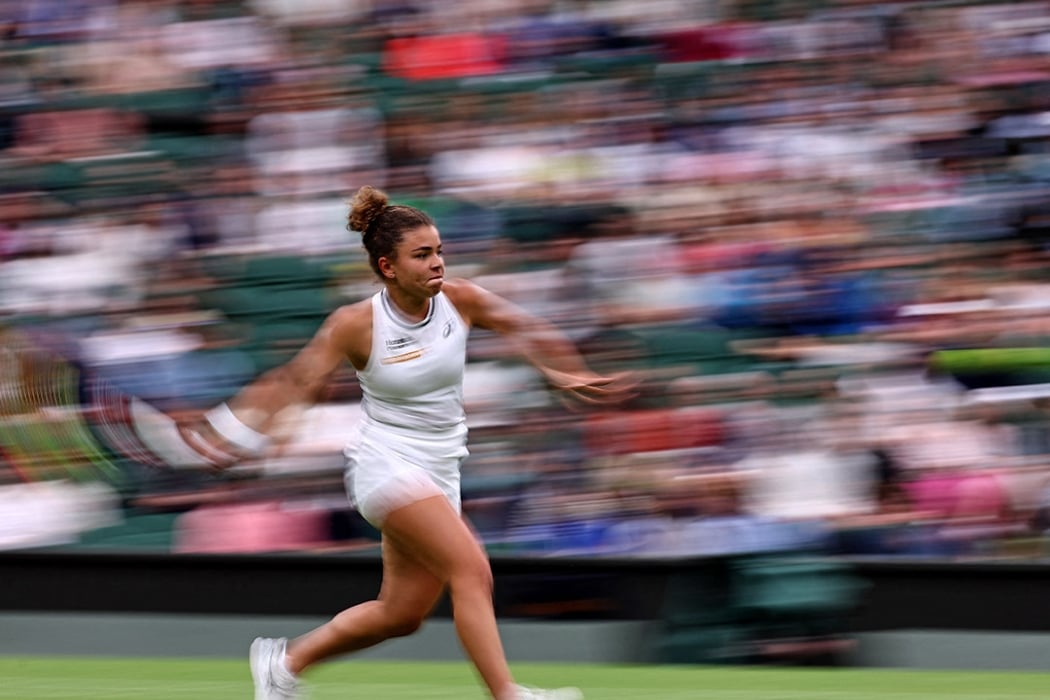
(239, 428)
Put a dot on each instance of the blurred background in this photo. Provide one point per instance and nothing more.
(817, 230)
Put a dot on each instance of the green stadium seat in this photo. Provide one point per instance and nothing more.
(151, 531)
(699, 624)
(271, 302)
(708, 350)
(780, 590)
(285, 332)
(288, 270)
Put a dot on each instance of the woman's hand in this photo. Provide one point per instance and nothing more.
(593, 389)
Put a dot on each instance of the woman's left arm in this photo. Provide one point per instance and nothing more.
(540, 342)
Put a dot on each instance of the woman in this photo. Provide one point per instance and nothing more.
(408, 345)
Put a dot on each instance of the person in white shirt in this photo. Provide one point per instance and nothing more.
(408, 345)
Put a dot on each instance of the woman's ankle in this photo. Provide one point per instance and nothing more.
(509, 692)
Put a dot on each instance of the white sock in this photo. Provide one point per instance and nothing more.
(511, 692)
(281, 670)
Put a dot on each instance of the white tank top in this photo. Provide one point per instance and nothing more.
(414, 376)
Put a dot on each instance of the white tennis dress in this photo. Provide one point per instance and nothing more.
(412, 438)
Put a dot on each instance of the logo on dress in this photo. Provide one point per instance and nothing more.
(447, 330)
(398, 343)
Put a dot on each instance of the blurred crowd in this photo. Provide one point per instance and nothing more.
(817, 230)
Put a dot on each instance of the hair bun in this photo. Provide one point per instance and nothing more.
(366, 204)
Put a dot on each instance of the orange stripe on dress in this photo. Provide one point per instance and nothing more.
(406, 357)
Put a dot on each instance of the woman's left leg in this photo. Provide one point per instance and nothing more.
(432, 533)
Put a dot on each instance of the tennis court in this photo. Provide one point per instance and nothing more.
(34, 678)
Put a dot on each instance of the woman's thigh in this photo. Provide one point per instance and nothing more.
(432, 534)
(408, 585)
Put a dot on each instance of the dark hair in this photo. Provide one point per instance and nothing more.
(382, 225)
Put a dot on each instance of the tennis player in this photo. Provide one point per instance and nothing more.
(408, 345)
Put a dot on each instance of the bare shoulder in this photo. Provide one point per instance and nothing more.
(461, 289)
(352, 318)
(348, 323)
(482, 308)
(465, 295)
(348, 331)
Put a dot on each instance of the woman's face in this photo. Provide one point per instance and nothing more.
(418, 267)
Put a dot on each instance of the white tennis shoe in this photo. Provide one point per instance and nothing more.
(555, 694)
(272, 680)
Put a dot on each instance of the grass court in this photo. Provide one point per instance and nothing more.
(35, 678)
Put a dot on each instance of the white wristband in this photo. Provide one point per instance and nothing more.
(234, 431)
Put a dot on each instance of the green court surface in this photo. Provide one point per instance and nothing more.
(26, 678)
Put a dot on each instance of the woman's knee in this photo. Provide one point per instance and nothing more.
(474, 574)
(404, 625)
(380, 618)
(401, 622)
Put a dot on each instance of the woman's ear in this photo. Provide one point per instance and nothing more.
(386, 268)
